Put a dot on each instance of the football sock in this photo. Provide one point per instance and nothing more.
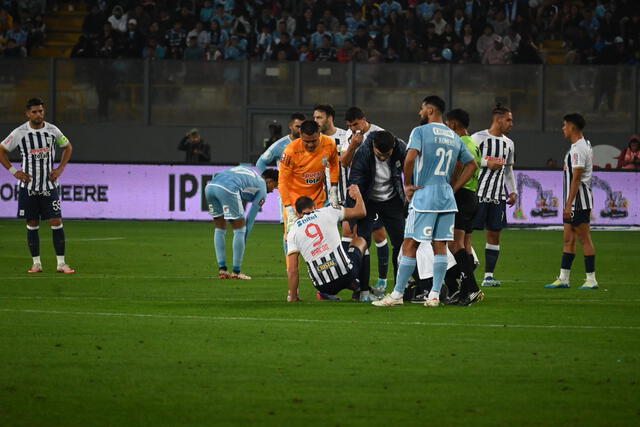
(219, 241)
(590, 266)
(36, 260)
(453, 279)
(472, 262)
(405, 270)
(491, 254)
(439, 270)
(383, 258)
(58, 241)
(346, 241)
(356, 271)
(365, 270)
(238, 247)
(469, 283)
(33, 240)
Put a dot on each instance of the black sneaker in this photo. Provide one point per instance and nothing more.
(420, 298)
(454, 299)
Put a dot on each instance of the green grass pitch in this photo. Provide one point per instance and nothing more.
(144, 334)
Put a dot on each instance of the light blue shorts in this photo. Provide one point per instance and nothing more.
(428, 226)
(223, 202)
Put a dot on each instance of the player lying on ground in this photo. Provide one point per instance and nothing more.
(38, 197)
(315, 235)
(225, 195)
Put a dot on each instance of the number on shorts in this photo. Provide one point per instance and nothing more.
(316, 233)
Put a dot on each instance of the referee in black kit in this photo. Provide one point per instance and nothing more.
(377, 169)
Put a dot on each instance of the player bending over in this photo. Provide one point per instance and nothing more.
(38, 198)
(225, 195)
(431, 157)
(315, 235)
(578, 166)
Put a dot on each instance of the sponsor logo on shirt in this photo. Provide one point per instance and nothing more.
(443, 132)
(327, 265)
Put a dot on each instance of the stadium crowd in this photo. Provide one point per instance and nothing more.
(458, 31)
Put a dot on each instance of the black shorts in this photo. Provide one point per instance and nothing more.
(37, 205)
(350, 281)
(491, 216)
(377, 223)
(467, 202)
(579, 217)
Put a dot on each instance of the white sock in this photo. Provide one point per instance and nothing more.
(396, 295)
(488, 275)
(434, 295)
(36, 260)
(364, 294)
(564, 275)
(591, 276)
(60, 259)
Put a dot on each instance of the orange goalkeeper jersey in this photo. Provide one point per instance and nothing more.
(302, 173)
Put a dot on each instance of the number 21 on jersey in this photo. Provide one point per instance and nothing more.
(444, 161)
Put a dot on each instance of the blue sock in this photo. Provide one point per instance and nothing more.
(439, 271)
(238, 247)
(405, 270)
(219, 241)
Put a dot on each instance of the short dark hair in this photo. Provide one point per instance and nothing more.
(303, 203)
(271, 174)
(325, 108)
(435, 101)
(460, 116)
(298, 116)
(576, 119)
(34, 102)
(383, 140)
(353, 113)
(500, 110)
(309, 127)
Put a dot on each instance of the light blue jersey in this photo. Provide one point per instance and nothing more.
(229, 188)
(439, 148)
(273, 154)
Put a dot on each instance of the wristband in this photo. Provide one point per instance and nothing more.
(13, 170)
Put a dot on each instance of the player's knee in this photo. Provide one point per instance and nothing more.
(55, 222)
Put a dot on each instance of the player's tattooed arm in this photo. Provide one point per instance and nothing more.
(409, 165)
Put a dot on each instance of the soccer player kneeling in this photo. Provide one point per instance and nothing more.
(315, 235)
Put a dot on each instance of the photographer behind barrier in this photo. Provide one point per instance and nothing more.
(197, 150)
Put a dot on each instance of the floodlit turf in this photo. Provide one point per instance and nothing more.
(144, 334)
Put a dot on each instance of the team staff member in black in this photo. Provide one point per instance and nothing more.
(38, 198)
(377, 169)
(197, 150)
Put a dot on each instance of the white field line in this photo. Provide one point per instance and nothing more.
(318, 321)
(174, 299)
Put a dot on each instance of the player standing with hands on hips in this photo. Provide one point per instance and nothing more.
(38, 198)
(497, 152)
(578, 199)
(432, 154)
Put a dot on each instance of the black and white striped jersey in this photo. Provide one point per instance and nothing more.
(344, 171)
(316, 237)
(491, 183)
(38, 149)
(580, 155)
(340, 137)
